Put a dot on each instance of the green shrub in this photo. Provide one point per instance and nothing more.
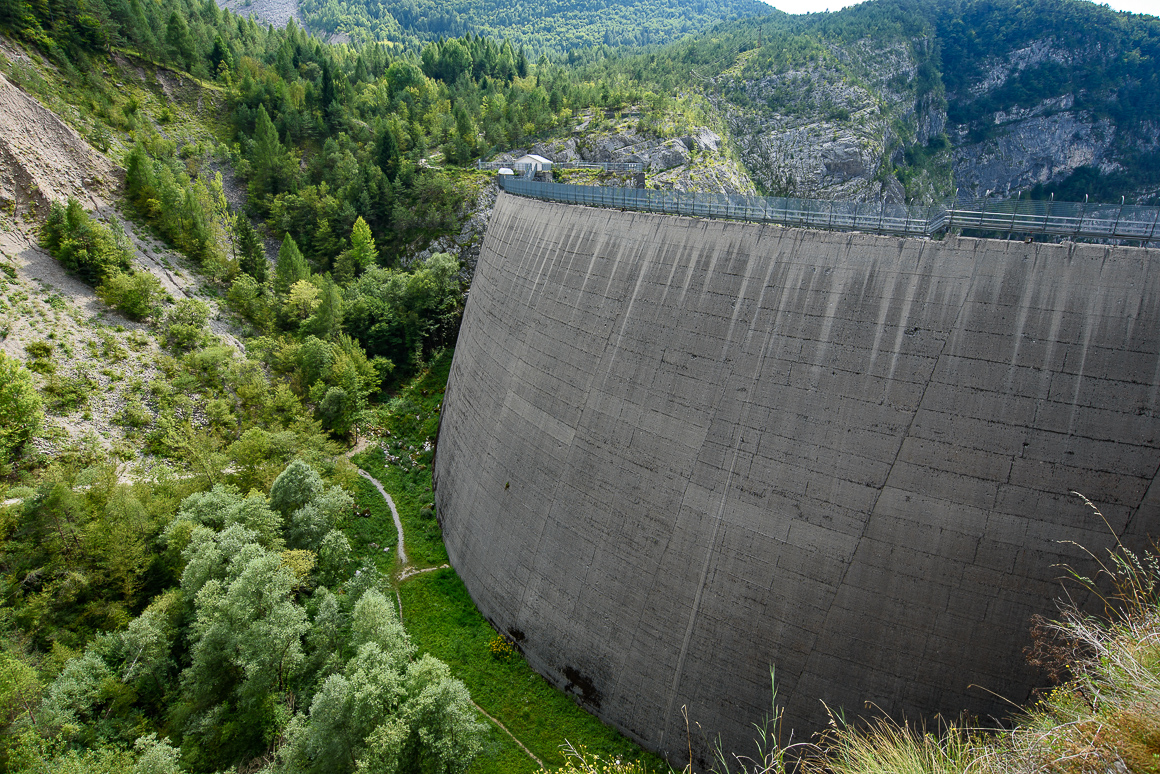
(69, 393)
(137, 294)
(184, 325)
(249, 299)
(20, 409)
(135, 415)
(86, 248)
(40, 358)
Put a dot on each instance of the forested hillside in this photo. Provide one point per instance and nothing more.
(241, 271)
(556, 26)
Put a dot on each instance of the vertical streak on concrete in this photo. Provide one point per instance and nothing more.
(711, 547)
(1089, 321)
(642, 269)
(904, 315)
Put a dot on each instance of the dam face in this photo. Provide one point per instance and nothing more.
(676, 453)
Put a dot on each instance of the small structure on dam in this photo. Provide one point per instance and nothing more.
(676, 453)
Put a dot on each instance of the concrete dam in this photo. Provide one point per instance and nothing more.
(678, 452)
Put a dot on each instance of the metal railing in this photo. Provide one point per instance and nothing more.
(523, 168)
(1081, 219)
(1010, 216)
(606, 166)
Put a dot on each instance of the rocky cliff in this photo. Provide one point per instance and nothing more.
(888, 101)
(826, 127)
(1008, 144)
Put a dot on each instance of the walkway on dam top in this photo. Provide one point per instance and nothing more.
(1028, 217)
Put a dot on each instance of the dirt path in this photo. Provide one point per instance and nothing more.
(411, 571)
(503, 728)
(394, 513)
(407, 572)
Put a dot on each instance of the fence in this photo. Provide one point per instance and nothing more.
(1081, 219)
(606, 166)
(1011, 216)
(525, 168)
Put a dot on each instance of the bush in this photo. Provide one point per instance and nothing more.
(501, 648)
(135, 415)
(249, 299)
(20, 409)
(69, 393)
(40, 358)
(137, 294)
(184, 325)
(86, 248)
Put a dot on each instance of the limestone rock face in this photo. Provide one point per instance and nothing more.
(690, 160)
(812, 131)
(673, 153)
(1036, 149)
(844, 126)
(559, 151)
(609, 147)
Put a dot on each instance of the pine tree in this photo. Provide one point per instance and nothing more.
(362, 245)
(327, 84)
(181, 46)
(251, 256)
(291, 266)
(389, 153)
(220, 55)
(326, 321)
(268, 159)
(325, 245)
(344, 268)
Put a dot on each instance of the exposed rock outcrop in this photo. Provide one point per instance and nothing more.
(867, 122)
(1037, 149)
(813, 130)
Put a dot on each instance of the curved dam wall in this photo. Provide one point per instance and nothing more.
(677, 452)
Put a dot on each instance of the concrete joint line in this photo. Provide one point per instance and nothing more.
(898, 451)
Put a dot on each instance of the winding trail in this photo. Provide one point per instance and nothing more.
(411, 571)
(394, 514)
(406, 572)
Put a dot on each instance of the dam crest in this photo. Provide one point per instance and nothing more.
(676, 452)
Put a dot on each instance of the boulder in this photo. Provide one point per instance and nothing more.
(672, 154)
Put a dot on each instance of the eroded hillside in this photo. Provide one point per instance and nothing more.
(97, 370)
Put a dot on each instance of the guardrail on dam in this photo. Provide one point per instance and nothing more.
(1012, 216)
(676, 452)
